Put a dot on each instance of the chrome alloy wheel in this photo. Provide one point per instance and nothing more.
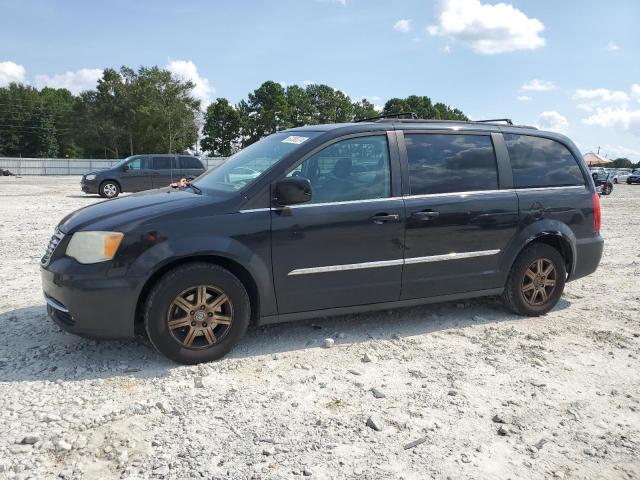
(110, 190)
(539, 282)
(200, 316)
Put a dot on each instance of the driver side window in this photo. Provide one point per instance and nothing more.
(138, 163)
(353, 169)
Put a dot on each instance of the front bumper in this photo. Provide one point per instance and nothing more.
(89, 186)
(88, 301)
(588, 255)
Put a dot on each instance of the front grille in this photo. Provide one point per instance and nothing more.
(53, 243)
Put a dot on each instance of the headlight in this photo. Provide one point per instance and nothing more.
(91, 176)
(94, 247)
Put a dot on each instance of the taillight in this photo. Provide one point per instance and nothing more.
(597, 217)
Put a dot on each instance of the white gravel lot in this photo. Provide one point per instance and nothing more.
(490, 395)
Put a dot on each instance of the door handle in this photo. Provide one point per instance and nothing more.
(426, 215)
(381, 218)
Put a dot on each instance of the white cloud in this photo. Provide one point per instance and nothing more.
(536, 85)
(403, 26)
(524, 98)
(488, 29)
(611, 108)
(621, 118)
(75, 82)
(11, 72)
(446, 49)
(612, 47)
(306, 83)
(597, 97)
(187, 70)
(554, 121)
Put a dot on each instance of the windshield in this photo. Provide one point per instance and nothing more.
(121, 162)
(245, 166)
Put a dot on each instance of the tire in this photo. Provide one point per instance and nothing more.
(195, 336)
(607, 189)
(109, 189)
(615, 180)
(520, 302)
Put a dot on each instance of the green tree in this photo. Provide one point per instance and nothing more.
(268, 110)
(221, 128)
(423, 107)
(300, 106)
(331, 106)
(364, 109)
(622, 163)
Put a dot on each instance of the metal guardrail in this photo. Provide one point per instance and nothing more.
(71, 166)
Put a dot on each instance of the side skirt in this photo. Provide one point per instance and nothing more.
(329, 312)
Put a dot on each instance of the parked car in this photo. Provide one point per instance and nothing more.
(603, 182)
(620, 176)
(141, 172)
(634, 177)
(340, 219)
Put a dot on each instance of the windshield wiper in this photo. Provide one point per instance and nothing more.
(198, 190)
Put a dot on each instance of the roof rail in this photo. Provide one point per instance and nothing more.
(508, 121)
(389, 115)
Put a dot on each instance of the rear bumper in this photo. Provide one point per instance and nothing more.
(85, 300)
(588, 255)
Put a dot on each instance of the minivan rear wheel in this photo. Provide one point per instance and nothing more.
(536, 281)
(197, 313)
(109, 189)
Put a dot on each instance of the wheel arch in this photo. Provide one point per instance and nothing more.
(233, 266)
(102, 182)
(552, 233)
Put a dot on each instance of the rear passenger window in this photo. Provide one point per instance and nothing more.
(162, 163)
(450, 163)
(353, 169)
(541, 162)
(190, 162)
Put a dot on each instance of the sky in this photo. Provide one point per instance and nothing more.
(570, 66)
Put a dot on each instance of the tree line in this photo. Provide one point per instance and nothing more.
(151, 111)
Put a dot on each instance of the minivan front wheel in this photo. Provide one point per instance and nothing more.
(197, 313)
(536, 281)
(109, 189)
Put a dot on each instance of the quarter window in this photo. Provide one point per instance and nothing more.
(353, 169)
(541, 162)
(450, 163)
(190, 162)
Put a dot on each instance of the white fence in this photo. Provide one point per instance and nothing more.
(71, 166)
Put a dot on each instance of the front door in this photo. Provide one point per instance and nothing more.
(344, 247)
(458, 220)
(137, 175)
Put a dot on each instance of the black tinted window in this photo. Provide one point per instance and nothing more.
(540, 162)
(162, 163)
(190, 162)
(353, 169)
(450, 163)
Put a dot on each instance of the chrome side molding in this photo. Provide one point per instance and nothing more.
(390, 263)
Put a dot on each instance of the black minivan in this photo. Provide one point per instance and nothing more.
(330, 219)
(141, 172)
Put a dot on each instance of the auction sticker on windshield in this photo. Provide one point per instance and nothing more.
(294, 139)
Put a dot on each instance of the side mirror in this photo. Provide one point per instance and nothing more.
(292, 190)
(125, 168)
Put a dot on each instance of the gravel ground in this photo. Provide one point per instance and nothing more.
(457, 390)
